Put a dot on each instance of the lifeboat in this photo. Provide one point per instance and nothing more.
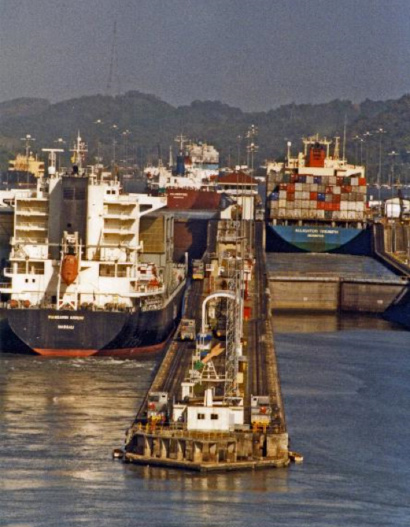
(69, 268)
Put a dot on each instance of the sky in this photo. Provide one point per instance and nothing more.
(255, 55)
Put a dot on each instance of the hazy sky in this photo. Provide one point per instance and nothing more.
(252, 54)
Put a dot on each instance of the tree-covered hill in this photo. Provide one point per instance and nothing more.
(137, 126)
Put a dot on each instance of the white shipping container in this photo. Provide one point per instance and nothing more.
(320, 214)
(344, 205)
(282, 194)
(298, 195)
(360, 206)
(343, 214)
(282, 213)
(305, 195)
(351, 215)
(313, 187)
(363, 189)
(298, 186)
(354, 181)
(309, 180)
(337, 190)
(312, 204)
(282, 203)
(332, 180)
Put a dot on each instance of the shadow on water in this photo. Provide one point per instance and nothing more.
(302, 322)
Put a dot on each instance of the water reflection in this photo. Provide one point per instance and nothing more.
(328, 322)
(274, 480)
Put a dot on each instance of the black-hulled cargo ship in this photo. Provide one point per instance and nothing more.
(91, 270)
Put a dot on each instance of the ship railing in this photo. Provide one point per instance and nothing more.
(180, 430)
(4, 287)
(32, 211)
(329, 277)
(30, 224)
(9, 271)
(142, 290)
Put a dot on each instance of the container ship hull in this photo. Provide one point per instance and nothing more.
(314, 238)
(82, 333)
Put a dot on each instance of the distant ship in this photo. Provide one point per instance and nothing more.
(21, 176)
(91, 270)
(192, 183)
(317, 202)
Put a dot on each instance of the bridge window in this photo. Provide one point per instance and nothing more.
(200, 416)
(214, 417)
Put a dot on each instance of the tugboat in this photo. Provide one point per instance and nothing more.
(91, 270)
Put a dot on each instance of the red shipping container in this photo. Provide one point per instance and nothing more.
(247, 312)
(339, 180)
(328, 206)
(321, 205)
(313, 196)
(362, 181)
(347, 188)
(293, 177)
(336, 198)
(283, 186)
(291, 187)
(328, 190)
(290, 196)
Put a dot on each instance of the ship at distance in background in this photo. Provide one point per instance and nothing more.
(91, 269)
(193, 182)
(317, 202)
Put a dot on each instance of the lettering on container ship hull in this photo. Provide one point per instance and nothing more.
(65, 317)
(317, 232)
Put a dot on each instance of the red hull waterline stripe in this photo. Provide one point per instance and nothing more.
(125, 352)
(64, 352)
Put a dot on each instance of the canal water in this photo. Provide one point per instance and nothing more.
(346, 387)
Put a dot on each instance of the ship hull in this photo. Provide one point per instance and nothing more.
(84, 333)
(315, 238)
(181, 198)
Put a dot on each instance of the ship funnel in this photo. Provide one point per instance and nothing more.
(180, 164)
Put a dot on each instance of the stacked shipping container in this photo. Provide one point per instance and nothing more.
(335, 198)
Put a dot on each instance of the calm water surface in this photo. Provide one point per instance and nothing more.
(346, 387)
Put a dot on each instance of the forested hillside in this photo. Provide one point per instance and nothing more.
(135, 128)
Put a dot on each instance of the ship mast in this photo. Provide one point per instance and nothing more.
(28, 139)
(79, 150)
(181, 139)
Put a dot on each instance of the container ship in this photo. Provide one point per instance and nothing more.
(91, 270)
(317, 202)
(192, 182)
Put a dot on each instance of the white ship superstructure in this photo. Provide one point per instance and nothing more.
(77, 250)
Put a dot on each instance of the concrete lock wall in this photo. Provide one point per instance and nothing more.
(370, 298)
(332, 296)
(314, 296)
